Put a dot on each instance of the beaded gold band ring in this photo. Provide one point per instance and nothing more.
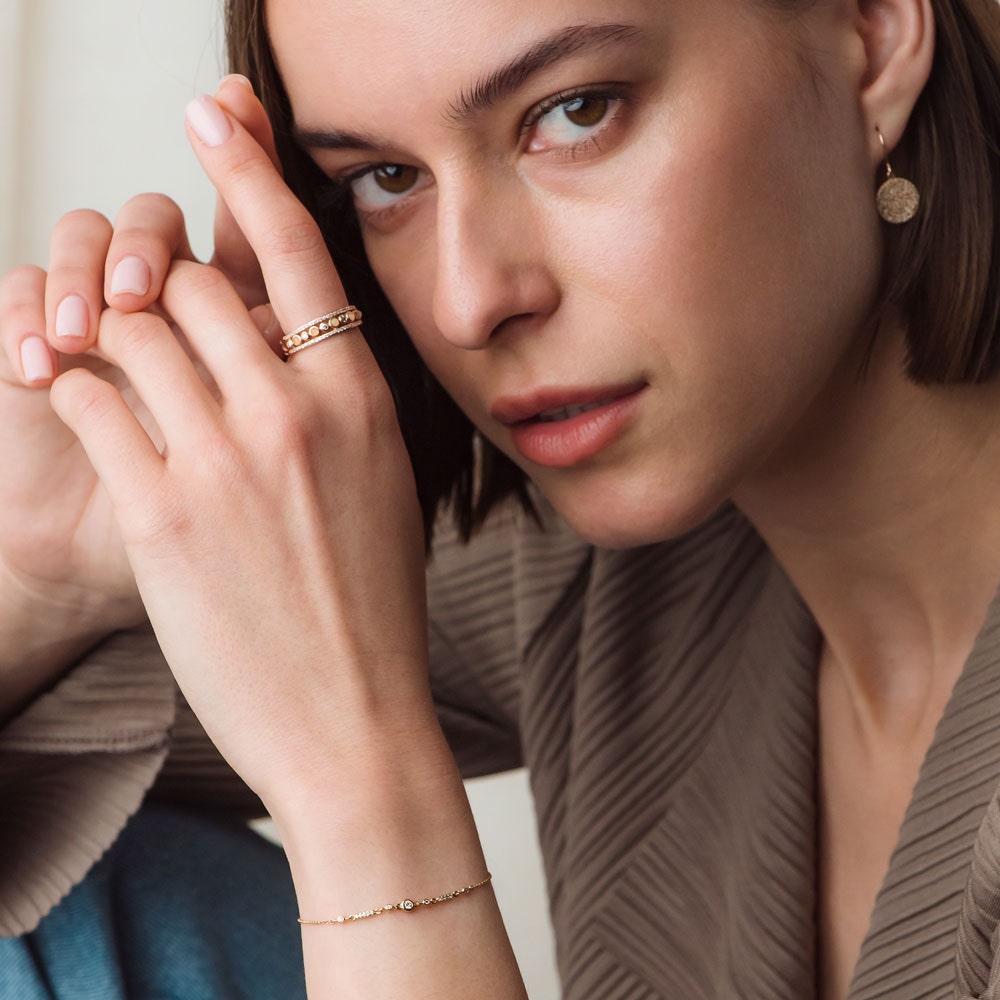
(405, 906)
(338, 321)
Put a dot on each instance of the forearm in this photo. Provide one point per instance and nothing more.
(404, 832)
(36, 647)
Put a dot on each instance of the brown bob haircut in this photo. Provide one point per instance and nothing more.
(941, 272)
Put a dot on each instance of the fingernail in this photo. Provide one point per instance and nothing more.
(237, 78)
(131, 274)
(72, 317)
(208, 121)
(36, 361)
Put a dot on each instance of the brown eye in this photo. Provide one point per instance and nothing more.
(395, 178)
(575, 125)
(586, 111)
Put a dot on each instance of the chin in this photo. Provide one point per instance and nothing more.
(624, 517)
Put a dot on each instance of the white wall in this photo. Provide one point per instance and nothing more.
(11, 31)
(91, 112)
(96, 108)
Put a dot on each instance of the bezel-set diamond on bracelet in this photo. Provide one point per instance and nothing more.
(338, 321)
(405, 906)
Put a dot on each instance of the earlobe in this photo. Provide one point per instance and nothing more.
(898, 37)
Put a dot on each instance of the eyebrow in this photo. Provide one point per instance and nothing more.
(491, 89)
(505, 81)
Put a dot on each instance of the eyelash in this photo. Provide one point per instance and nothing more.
(565, 97)
(615, 96)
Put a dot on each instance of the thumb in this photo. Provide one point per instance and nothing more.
(233, 254)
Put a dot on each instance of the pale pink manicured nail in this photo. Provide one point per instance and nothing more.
(208, 121)
(36, 361)
(235, 78)
(131, 274)
(72, 317)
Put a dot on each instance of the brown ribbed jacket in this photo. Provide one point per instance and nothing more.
(664, 699)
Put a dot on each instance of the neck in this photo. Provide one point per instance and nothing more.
(886, 516)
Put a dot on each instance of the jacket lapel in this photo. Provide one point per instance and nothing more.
(680, 733)
(909, 951)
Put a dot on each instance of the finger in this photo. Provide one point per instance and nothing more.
(121, 452)
(236, 95)
(74, 292)
(233, 254)
(217, 327)
(158, 368)
(22, 326)
(301, 280)
(267, 324)
(149, 233)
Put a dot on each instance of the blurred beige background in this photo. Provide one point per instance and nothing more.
(91, 112)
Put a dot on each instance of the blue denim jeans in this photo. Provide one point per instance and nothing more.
(183, 907)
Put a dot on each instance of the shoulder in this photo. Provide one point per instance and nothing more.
(524, 570)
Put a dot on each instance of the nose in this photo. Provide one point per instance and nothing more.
(491, 264)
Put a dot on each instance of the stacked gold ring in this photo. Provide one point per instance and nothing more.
(338, 321)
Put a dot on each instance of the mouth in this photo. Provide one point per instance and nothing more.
(562, 428)
(554, 405)
(568, 412)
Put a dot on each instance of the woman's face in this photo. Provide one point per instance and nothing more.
(634, 239)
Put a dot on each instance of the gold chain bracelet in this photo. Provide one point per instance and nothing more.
(406, 906)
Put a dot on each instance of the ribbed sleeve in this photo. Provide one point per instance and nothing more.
(664, 700)
(74, 766)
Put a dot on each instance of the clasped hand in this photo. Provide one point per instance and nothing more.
(271, 519)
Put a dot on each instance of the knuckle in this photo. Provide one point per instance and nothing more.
(243, 170)
(83, 216)
(150, 204)
(130, 334)
(23, 275)
(224, 464)
(75, 272)
(191, 279)
(165, 522)
(80, 239)
(81, 219)
(22, 286)
(19, 316)
(94, 403)
(289, 427)
(219, 463)
(295, 241)
(89, 399)
(372, 409)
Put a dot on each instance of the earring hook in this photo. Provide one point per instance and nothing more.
(897, 199)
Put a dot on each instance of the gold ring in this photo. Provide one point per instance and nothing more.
(348, 318)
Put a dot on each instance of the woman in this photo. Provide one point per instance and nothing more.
(751, 657)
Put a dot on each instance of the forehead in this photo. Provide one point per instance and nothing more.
(383, 57)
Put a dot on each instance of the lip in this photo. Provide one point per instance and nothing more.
(510, 410)
(574, 439)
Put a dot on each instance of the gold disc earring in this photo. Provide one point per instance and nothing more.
(897, 199)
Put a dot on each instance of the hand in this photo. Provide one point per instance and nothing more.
(278, 547)
(64, 577)
(277, 541)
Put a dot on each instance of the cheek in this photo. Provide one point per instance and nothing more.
(731, 222)
(740, 250)
(731, 255)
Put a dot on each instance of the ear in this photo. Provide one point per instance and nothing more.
(898, 36)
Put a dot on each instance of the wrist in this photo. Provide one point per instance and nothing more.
(31, 661)
(380, 769)
(33, 619)
(404, 837)
(40, 639)
(394, 824)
